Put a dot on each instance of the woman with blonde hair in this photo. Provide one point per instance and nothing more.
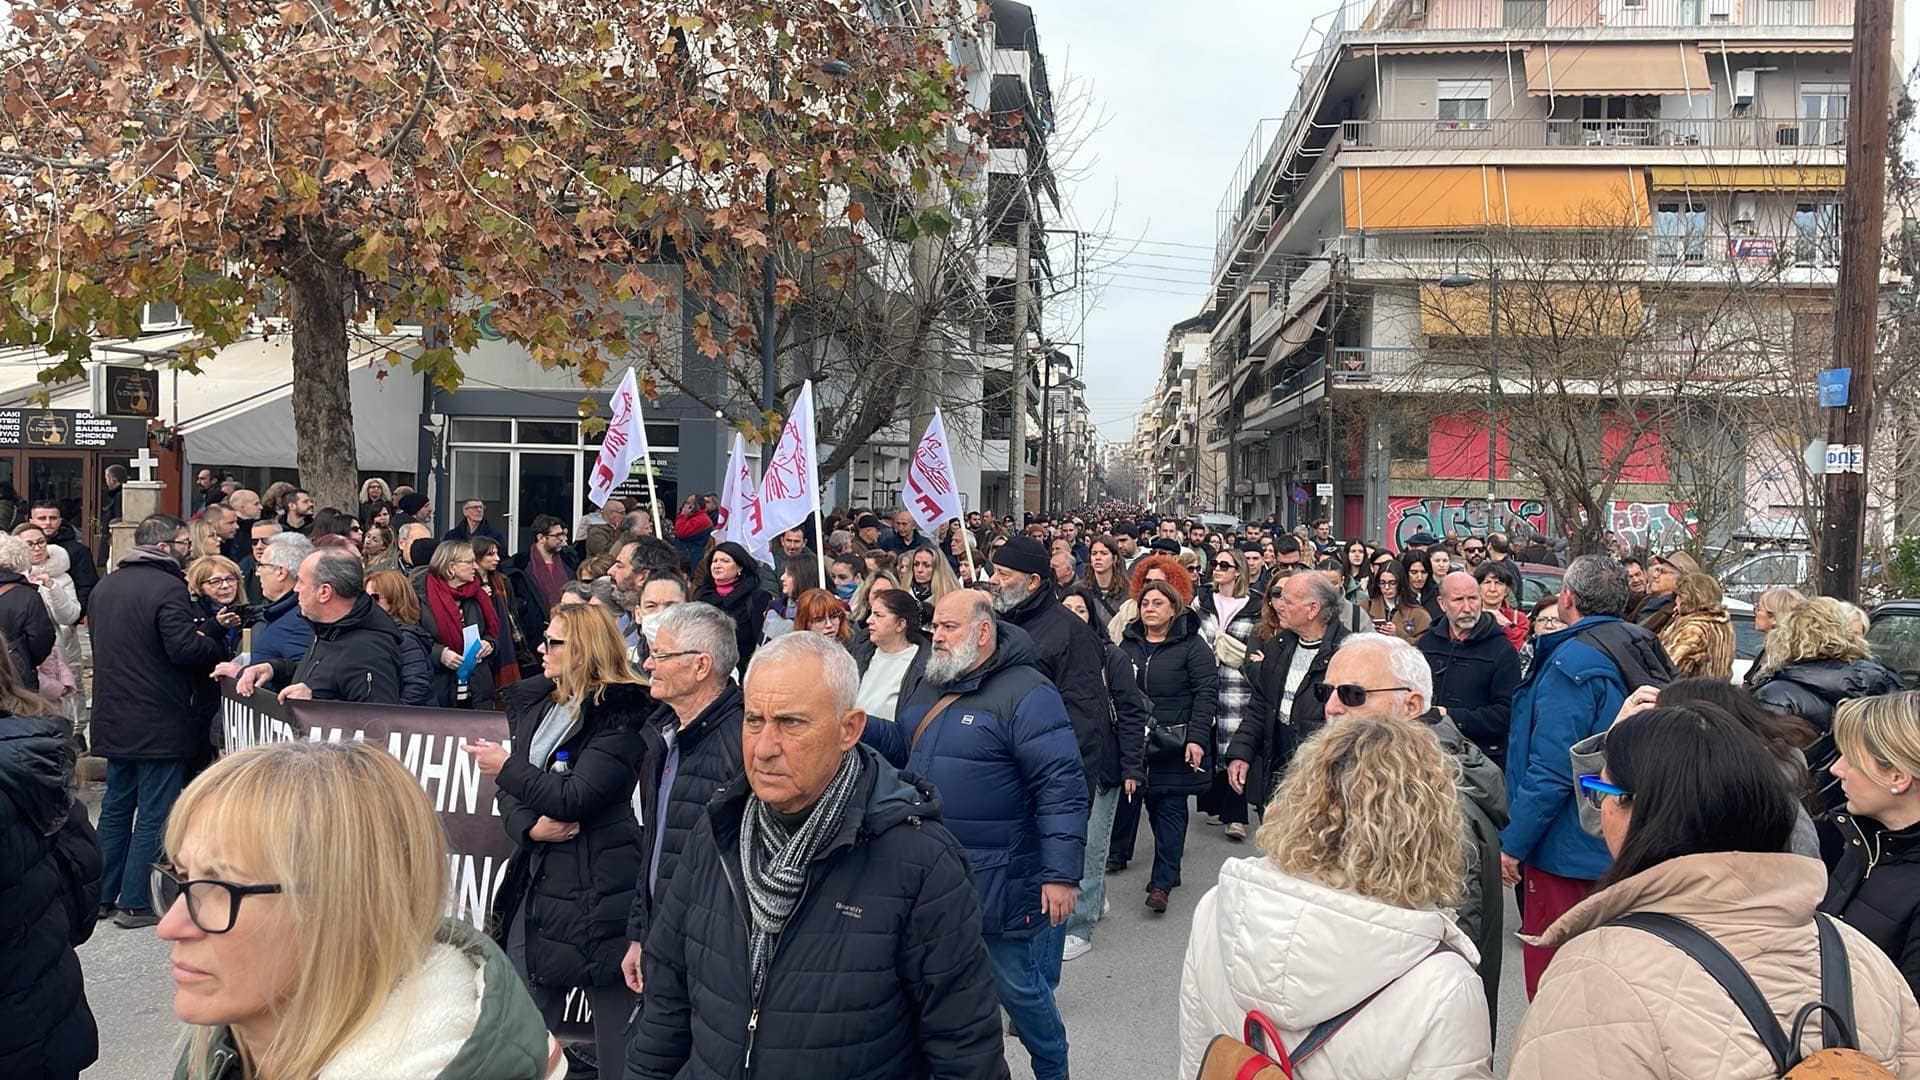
(861, 606)
(1814, 662)
(451, 599)
(302, 888)
(928, 578)
(1361, 853)
(205, 541)
(1773, 605)
(1699, 637)
(1876, 886)
(566, 798)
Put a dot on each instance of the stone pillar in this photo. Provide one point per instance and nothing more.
(138, 500)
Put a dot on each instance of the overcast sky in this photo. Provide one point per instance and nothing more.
(1179, 89)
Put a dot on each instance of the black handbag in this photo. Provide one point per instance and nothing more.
(1167, 739)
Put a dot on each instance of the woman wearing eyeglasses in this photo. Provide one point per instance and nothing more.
(302, 890)
(820, 612)
(1180, 676)
(1697, 816)
(566, 794)
(1228, 620)
(1392, 608)
(451, 600)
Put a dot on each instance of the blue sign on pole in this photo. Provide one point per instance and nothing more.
(1833, 387)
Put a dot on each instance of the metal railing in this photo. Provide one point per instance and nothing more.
(1525, 133)
(1716, 370)
(1553, 14)
(1596, 248)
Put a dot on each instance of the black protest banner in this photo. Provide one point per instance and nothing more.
(427, 742)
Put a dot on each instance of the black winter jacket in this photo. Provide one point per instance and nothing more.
(27, 626)
(1181, 679)
(1876, 889)
(1132, 712)
(1474, 680)
(880, 974)
(1067, 651)
(709, 758)
(576, 891)
(1811, 691)
(80, 564)
(146, 658)
(446, 681)
(49, 886)
(746, 605)
(416, 670)
(1266, 741)
(358, 658)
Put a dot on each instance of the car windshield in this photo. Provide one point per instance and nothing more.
(1894, 638)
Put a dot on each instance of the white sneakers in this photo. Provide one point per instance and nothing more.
(1077, 947)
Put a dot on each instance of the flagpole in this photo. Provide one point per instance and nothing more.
(653, 494)
(966, 540)
(819, 518)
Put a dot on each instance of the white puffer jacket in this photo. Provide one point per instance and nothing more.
(1302, 953)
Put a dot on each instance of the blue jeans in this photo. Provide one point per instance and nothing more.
(133, 820)
(1168, 813)
(1093, 870)
(1021, 963)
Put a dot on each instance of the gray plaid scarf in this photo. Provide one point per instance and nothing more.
(774, 861)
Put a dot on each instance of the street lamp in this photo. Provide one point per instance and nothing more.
(1459, 279)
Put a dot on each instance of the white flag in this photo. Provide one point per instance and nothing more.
(931, 492)
(740, 518)
(626, 442)
(790, 490)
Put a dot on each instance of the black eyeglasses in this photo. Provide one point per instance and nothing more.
(1352, 695)
(212, 904)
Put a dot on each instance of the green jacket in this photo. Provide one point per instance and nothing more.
(508, 1042)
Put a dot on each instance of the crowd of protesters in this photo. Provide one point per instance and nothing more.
(838, 825)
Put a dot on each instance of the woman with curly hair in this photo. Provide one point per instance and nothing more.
(1360, 858)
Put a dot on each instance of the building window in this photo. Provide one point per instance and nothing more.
(1816, 229)
(1680, 231)
(524, 468)
(1461, 102)
(1823, 114)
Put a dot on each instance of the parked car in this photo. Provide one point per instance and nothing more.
(1764, 570)
(1747, 641)
(1893, 632)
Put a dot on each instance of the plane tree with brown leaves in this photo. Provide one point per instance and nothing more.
(347, 165)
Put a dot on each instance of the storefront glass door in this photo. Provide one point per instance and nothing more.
(545, 486)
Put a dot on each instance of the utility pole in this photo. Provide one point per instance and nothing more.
(1856, 298)
(1017, 428)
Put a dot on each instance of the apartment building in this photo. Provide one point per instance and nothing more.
(1186, 476)
(1655, 185)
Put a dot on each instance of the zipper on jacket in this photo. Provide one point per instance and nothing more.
(773, 953)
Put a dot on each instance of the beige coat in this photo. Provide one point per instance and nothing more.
(1700, 643)
(1623, 1004)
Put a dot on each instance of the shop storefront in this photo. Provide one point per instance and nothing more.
(522, 468)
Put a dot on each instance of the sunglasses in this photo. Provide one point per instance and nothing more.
(1595, 791)
(1352, 695)
(1472, 550)
(555, 642)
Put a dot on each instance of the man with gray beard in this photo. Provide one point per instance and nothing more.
(992, 736)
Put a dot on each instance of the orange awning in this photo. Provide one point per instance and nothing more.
(1616, 68)
(1476, 196)
(1595, 309)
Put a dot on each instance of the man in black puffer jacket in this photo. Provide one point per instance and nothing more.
(829, 873)
(1475, 668)
(49, 885)
(693, 747)
(358, 652)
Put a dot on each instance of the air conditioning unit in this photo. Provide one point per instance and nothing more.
(1745, 208)
(1719, 10)
(1417, 9)
(1743, 85)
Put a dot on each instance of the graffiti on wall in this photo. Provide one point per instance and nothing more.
(1658, 527)
(1410, 514)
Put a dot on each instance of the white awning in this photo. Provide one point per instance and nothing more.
(254, 425)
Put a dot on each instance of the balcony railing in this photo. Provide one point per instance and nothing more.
(1553, 14)
(1540, 133)
(1734, 368)
(1602, 249)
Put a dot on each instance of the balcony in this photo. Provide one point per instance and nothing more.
(1531, 133)
(1739, 370)
(1579, 14)
(1426, 250)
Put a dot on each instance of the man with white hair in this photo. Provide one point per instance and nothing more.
(693, 747)
(997, 745)
(1284, 711)
(282, 634)
(1379, 676)
(830, 873)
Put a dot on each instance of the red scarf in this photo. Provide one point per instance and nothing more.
(444, 599)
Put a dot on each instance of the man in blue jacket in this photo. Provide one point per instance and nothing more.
(991, 734)
(1574, 691)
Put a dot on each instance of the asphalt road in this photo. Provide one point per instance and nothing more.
(1121, 1001)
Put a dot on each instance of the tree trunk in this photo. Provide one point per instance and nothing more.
(325, 449)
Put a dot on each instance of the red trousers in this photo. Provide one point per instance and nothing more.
(1549, 896)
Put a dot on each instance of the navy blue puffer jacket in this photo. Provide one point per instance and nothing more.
(880, 974)
(1004, 759)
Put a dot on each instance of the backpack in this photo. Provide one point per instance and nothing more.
(1839, 1057)
(1634, 650)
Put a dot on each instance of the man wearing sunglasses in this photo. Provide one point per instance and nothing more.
(1378, 677)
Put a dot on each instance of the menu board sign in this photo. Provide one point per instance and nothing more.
(67, 429)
